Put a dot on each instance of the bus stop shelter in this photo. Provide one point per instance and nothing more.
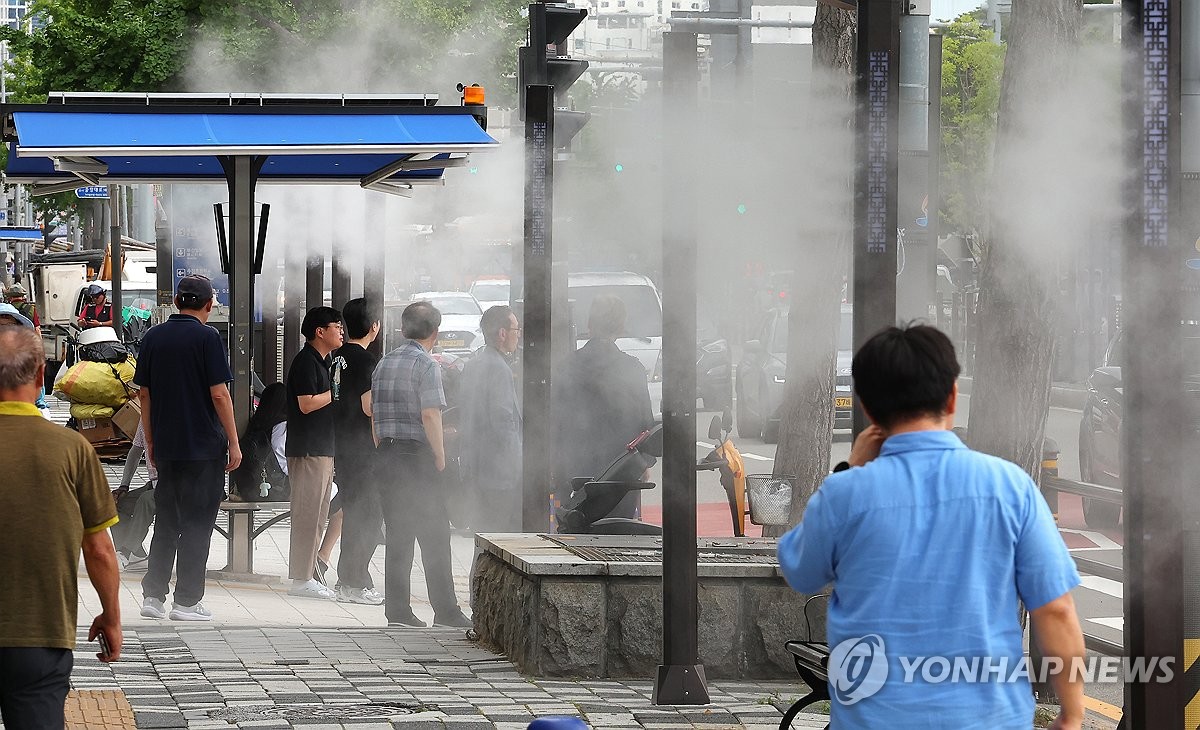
(386, 143)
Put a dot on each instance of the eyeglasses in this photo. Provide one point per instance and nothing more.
(515, 329)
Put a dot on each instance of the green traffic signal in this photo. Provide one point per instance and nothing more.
(619, 167)
(741, 209)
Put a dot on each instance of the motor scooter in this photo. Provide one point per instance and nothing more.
(586, 511)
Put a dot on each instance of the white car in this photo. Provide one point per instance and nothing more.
(490, 292)
(460, 332)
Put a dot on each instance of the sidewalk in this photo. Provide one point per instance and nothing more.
(272, 660)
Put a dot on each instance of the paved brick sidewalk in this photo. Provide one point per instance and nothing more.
(98, 710)
(220, 677)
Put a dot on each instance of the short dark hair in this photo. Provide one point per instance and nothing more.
(606, 317)
(905, 372)
(316, 318)
(420, 320)
(358, 318)
(494, 320)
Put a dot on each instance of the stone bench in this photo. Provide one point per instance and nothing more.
(591, 605)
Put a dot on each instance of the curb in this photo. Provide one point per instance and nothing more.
(1071, 396)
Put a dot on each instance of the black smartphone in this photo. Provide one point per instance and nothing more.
(105, 651)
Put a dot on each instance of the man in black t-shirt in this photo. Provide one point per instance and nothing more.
(309, 447)
(190, 434)
(354, 460)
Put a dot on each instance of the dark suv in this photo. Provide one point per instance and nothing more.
(1100, 427)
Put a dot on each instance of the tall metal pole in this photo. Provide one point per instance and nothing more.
(241, 173)
(114, 253)
(538, 343)
(680, 679)
(1157, 586)
(877, 87)
(293, 293)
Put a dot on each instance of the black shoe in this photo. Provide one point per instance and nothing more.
(409, 620)
(456, 620)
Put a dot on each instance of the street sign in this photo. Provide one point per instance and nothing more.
(92, 192)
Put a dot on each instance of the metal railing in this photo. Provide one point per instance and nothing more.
(1051, 482)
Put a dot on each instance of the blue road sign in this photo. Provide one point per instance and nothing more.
(96, 192)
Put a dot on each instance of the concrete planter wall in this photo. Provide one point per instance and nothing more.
(555, 614)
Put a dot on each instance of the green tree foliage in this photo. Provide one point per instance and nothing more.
(337, 45)
(972, 65)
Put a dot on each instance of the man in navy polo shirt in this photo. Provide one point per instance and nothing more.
(187, 419)
(928, 546)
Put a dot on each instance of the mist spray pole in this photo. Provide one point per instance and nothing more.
(1158, 580)
(114, 256)
(538, 341)
(681, 679)
(241, 173)
(876, 169)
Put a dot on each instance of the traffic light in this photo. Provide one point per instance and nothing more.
(544, 61)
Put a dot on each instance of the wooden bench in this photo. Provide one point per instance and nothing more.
(812, 663)
(241, 533)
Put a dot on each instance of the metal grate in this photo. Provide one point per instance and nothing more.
(650, 555)
(370, 711)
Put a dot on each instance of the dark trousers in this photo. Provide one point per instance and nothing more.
(361, 521)
(33, 687)
(187, 498)
(414, 509)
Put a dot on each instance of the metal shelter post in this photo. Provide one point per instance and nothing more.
(537, 353)
(1152, 446)
(114, 256)
(242, 175)
(680, 679)
(876, 171)
(374, 266)
(293, 293)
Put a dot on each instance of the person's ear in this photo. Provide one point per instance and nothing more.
(952, 401)
(208, 305)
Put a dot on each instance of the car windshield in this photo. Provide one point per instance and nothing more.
(456, 305)
(643, 311)
(779, 338)
(490, 291)
(143, 299)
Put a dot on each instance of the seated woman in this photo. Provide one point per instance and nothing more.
(262, 444)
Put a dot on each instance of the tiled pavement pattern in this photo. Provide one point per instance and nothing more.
(210, 677)
(98, 710)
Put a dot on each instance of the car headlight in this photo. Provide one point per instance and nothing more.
(779, 379)
(716, 347)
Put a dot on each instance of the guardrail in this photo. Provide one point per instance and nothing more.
(1051, 482)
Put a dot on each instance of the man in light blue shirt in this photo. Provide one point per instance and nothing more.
(928, 546)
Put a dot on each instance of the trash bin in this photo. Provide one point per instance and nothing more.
(770, 498)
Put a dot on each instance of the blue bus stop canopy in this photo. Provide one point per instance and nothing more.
(377, 147)
(20, 234)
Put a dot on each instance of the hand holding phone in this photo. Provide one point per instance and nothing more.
(105, 649)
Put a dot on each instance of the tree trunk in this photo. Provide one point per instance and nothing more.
(806, 424)
(1011, 395)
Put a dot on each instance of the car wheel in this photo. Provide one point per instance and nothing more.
(748, 424)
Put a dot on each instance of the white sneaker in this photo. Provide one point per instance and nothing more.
(365, 596)
(311, 589)
(190, 613)
(122, 561)
(153, 608)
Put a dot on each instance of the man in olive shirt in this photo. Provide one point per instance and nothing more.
(54, 499)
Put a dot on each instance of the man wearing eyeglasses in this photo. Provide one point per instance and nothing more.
(491, 427)
(310, 446)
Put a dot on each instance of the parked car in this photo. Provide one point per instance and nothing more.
(762, 376)
(460, 333)
(1100, 427)
(490, 291)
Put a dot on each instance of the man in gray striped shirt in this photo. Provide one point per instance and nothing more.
(406, 413)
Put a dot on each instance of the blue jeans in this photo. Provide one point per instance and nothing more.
(33, 687)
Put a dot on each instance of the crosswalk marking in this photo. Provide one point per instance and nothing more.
(1102, 585)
